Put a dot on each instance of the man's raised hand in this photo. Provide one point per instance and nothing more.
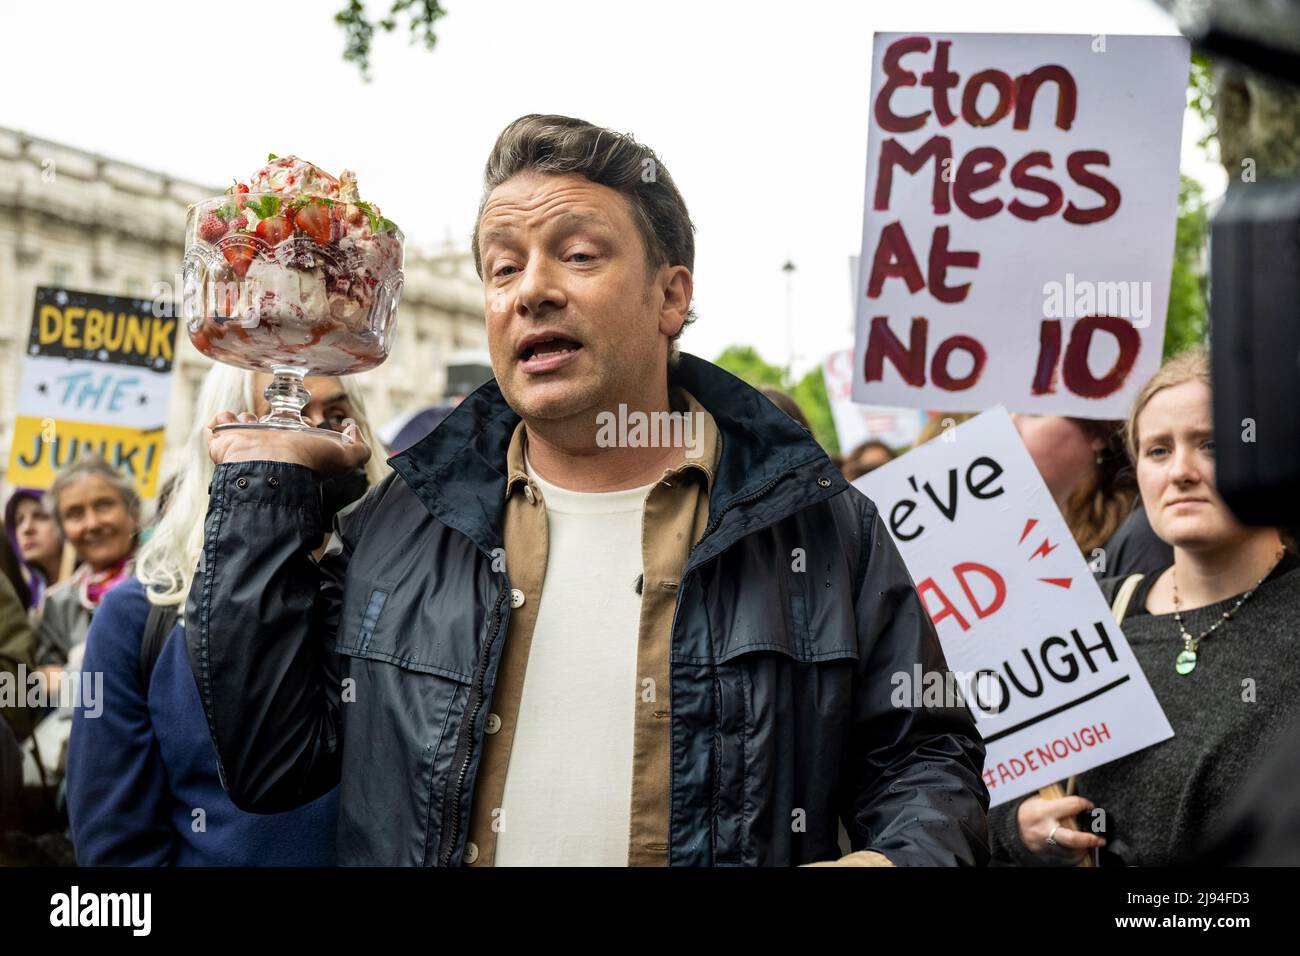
(322, 453)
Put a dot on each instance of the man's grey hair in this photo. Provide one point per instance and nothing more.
(88, 466)
(557, 145)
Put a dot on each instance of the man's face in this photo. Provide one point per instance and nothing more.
(575, 322)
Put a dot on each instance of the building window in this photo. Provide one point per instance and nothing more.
(134, 288)
(60, 275)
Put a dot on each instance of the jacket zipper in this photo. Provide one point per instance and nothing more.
(717, 520)
(465, 744)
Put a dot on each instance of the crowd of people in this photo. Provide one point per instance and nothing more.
(118, 784)
(221, 740)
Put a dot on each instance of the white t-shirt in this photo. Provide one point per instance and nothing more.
(568, 789)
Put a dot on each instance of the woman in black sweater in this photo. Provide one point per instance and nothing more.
(1215, 634)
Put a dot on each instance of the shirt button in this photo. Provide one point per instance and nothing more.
(471, 852)
(493, 723)
(516, 597)
(528, 493)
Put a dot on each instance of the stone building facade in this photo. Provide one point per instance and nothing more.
(82, 221)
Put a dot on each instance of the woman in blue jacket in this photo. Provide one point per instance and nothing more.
(143, 783)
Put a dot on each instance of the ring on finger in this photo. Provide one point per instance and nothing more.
(1051, 836)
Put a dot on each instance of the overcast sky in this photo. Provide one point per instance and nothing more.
(758, 109)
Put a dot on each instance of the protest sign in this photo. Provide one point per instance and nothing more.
(1027, 635)
(855, 423)
(96, 379)
(1018, 234)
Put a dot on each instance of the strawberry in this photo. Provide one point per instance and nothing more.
(274, 230)
(239, 222)
(212, 228)
(240, 189)
(315, 221)
(239, 255)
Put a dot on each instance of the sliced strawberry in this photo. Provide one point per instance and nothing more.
(240, 256)
(274, 230)
(239, 222)
(315, 221)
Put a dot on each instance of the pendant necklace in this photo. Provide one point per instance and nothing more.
(1185, 663)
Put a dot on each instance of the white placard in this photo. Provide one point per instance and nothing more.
(854, 423)
(1018, 235)
(1012, 600)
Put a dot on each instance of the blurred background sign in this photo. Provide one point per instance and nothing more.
(96, 379)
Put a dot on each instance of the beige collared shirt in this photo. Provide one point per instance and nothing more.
(675, 515)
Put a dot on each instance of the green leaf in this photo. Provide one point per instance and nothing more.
(386, 225)
(227, 211)
(265, 208)
(370, 214)
(271, 156)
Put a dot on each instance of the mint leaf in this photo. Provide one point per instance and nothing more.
(227, 211)
(265, 208)
(370, 214)
(271, 156)
(386, 225)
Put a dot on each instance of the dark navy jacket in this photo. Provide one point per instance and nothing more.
(139, 771)
(376, 667)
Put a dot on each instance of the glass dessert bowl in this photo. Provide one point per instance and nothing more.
(293, 276)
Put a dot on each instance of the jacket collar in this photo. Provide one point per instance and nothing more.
(681, 401)
(459, 470)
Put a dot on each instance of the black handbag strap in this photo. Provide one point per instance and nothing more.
(160, 623)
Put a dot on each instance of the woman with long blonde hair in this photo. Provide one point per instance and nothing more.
(1219, 619)
(143, 782)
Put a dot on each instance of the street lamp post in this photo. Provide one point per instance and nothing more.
(788, 269)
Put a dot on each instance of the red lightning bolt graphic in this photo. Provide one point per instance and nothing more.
(1044, 549)
(1029, 526)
